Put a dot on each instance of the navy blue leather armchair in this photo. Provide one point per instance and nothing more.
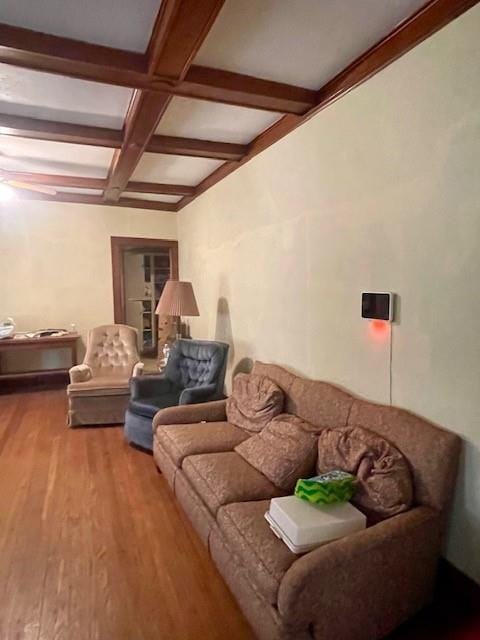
(195, 372)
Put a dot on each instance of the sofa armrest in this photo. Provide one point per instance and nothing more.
(149, 386)
(138, 369)
(191, 413)
(80, 373)
(192, 395)
(364, 585)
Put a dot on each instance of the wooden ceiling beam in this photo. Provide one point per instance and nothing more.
(34, 128)
(54, 180)
(196, 148)
(84, 61)
(101, 137)
(217, 85)
(179, 31)
(76, 198)
(65, 56)
(142, 119)
(423, 23)
(83, 182)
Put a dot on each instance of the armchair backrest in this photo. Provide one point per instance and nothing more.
(112, 345)
(197, 363)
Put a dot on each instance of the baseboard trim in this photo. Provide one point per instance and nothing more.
(454, 586)
(34, 381)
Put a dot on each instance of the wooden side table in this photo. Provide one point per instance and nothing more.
(67, 341)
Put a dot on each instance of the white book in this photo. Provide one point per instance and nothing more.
(304, 526)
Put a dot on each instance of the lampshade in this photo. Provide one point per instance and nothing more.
(177, 299)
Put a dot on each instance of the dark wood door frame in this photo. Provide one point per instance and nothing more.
(119, 246)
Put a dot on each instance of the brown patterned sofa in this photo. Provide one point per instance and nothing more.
(360, 587)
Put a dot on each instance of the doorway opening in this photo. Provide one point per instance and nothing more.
(140, 269)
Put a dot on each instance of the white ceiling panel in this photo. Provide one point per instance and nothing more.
(51, 97)
(88, 192)
(301, 42)
(125, 24)
(213, 121)
(157, 197)
(39, 156)
(154, 167)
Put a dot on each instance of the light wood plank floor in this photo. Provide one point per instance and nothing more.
(92, 542)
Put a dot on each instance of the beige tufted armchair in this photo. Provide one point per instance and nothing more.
(98, 392)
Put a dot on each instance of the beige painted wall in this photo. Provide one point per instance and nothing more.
(55, 264)
(381, 191)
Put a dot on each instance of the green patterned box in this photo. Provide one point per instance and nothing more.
(327, 488)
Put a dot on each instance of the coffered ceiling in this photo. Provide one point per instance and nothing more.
(147, 104)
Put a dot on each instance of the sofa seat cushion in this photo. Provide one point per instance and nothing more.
(182, 440)
(223, 478)
(101, 385)
(148, 407)
(264, 557)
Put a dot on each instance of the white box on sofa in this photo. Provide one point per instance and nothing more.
(304, 526)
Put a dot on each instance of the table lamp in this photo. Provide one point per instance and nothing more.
(177, 300)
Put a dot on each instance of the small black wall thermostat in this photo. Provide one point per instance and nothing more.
(377, 305)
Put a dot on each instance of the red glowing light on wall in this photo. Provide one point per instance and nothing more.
(379, 329)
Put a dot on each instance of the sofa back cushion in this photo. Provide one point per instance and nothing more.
(285, 450)
(319, 403)
(431, 452)
(384, 479)
(254, 401)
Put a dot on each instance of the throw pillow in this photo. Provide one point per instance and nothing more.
(384, 479)
(284, 451)
(255, 400)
